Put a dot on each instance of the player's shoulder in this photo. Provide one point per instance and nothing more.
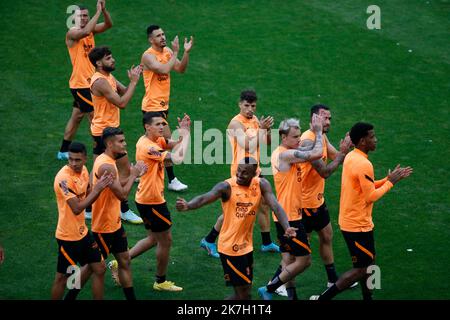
(308, 135)
(64, 172)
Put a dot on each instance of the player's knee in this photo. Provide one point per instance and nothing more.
(124, 263)
(60, 279)
(327, 238)
(307, 262)
(77, 117)
(99, 269)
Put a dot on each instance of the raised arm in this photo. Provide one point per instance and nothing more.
(121, 192)
(246, 141)
(265, 124)
(78, 205)
(101, 87)
(326, 169)
(180, 66)
(75, 34)
(270, 199)
(221, 190)
(179, 147)
(151, 63)
(366, 179)
(301, 155)
(102, 27)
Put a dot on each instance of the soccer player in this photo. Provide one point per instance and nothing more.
(246, 133)
(153, 149)
(158, 62)
(240, 196)
(359, 191)
(109, 96)
(75, 242)
(286, 167)
(80, 41)
(315, 216)
(106, 223)
(2, 254)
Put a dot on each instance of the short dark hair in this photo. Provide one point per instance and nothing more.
(249, 160)
(359, 131)
(317, 107)
(77, 147)
(82, 7)
(110, 132)
(249, 96)
(148, 117)
(152, 28)
(98, 53)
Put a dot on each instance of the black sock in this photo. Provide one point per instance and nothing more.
(65, 146)
(330, 293)
(212, 235)
(124, 206)
(129, 293)
(72, 294)
(266, 240)
(292, 293)
(331, 272)
(160, 279)
(277, 273)
(89, 208)
(366, 292)
(274, 284)
(170, 173)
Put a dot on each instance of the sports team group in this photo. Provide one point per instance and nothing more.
(300, 165)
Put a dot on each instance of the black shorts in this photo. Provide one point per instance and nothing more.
(237, 270)
(82, 100)
(72, 252)
(315, 218)
(156, 216)
(99, 147)
(114, 242)
(298, 246)
(361, 246)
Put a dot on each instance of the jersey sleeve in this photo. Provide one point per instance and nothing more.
(367, 182)
(66, 188)
(379, 183)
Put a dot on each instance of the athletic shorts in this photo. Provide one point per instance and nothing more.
(298, 246)
(156, 216)
(316, 218)
(114, 242)
(82, 100)
(82, 251)
(237, 270)
(99, 147)
(361, 246)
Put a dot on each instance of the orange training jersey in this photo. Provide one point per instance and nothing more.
(251, 127)
(313, 185)
(157, 86)
(106, 114)
(151, 185)
(239, 212)
(82, 68)
(288, 186)
(106, 209)
(69, 184)
(359, 191)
